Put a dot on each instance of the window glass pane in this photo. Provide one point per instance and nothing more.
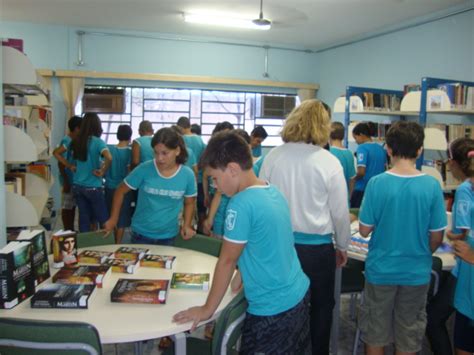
(158, 93)
(168, 117)
(196, 103)
(137, 101)
(223, 96)
(114, 118)
(161, 105)
(270, 122)
(219, 117)
(224, 107)
(128, 100)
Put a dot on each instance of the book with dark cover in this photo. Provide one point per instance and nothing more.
(63, 296)
(93, 257)
(17, 281)
(140, 291)
(64, 248)
(83, 275)
(159, 261)
(190, 281)
(123, 265)
(130, 253)
(37, 239)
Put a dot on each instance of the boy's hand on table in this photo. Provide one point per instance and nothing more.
(464, 251)
(193, 314)
(187, 232)
(341, 258)
(207, 226)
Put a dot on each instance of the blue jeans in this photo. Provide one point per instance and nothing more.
(141, 239)
(91, 204)
(319, 264)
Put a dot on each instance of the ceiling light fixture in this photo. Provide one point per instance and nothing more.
(215, 19)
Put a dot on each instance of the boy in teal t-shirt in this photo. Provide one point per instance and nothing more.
(142, 150)
(404, 210)
(121, 160)
(258, 236)
(345, 156)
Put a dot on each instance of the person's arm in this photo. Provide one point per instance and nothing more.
(135, 155)
(464, 251)
(187, 230)
(457, 236)
(436, 238)
(360, 173)
(364, 230)
(105, 164)
(205, 188)
(209, 221)
(117, 201)
(339, 211)
(63, 161)
(223, 272)
(57, 153)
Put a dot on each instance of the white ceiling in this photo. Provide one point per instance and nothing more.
(300, 23)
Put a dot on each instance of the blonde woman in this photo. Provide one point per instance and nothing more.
(313, 182)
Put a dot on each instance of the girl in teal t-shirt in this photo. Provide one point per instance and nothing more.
(166, 186)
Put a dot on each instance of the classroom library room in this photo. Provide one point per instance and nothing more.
(237, 177)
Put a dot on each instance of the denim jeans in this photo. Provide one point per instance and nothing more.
(91, 204)
(319, 264)
(141, 239)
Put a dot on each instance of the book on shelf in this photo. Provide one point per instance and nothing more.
(140, 291)
(64, 248)
(37, 238)
(127, 266)
(130, 253)
(18, 181)
(17, 281)
(159, 261)
(196, 281)
(63, 296)
(83, 275)
(41, 169)
(410, 88)
(460, 95)
(93, 257)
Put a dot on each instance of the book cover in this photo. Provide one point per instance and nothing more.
(37, 238)
(140, 291)
(93, 257)
(190, 281)
(17, 281)
(159, 261)
(82, 275)
(64, 248)
(63, 296)
(130, 253)
(123, 265)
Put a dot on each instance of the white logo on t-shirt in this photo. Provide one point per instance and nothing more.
(360, 156)
(230, 219)
(462, 208)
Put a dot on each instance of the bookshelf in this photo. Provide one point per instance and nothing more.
(27, 120)
(431, 100)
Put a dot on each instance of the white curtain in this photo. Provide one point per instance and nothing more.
(72, 90)
(306, 94)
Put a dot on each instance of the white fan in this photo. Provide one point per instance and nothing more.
(261, 21)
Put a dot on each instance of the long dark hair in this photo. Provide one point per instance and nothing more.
(90, 126)
(172, 140)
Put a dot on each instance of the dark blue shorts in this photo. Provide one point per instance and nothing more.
(464, 333)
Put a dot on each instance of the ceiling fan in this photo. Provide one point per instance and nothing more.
(261, 21)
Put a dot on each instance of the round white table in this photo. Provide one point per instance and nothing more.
(123, 322)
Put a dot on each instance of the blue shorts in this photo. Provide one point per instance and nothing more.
(463, 333)
(125, 216)
(138, 238)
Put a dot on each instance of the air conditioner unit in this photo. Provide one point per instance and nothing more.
(103, 100)
(277, 106)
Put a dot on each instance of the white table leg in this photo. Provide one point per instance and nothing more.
(179, 343)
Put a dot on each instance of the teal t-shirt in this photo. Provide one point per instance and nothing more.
(160, 199)
(346, 158)
(191, 161)
(197, 145)
(84, 176)
(121, 158)
(373, 157)
(402, 210)
(273, 280)
(463, 215)
(146, 151)
(257, 151)
(66, 143)
(257, 165)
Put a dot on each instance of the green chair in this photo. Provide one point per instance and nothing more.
(201, 243)
(227, 331)
(25, 337)
(93, 239)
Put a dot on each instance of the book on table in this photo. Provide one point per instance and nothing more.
(17, 280)
(63, 296)
(83, 275)
(64, 248)
(140, 291)
(195, 281)
(159, 261)
(37, 238)
(131, 253)
(123, 265)
(93, 257)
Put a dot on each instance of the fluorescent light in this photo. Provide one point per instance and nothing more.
(219, 20)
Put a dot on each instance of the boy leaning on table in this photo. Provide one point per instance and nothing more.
(405, 211)
(259, 238)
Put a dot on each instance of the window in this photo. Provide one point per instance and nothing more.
(163, 107)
